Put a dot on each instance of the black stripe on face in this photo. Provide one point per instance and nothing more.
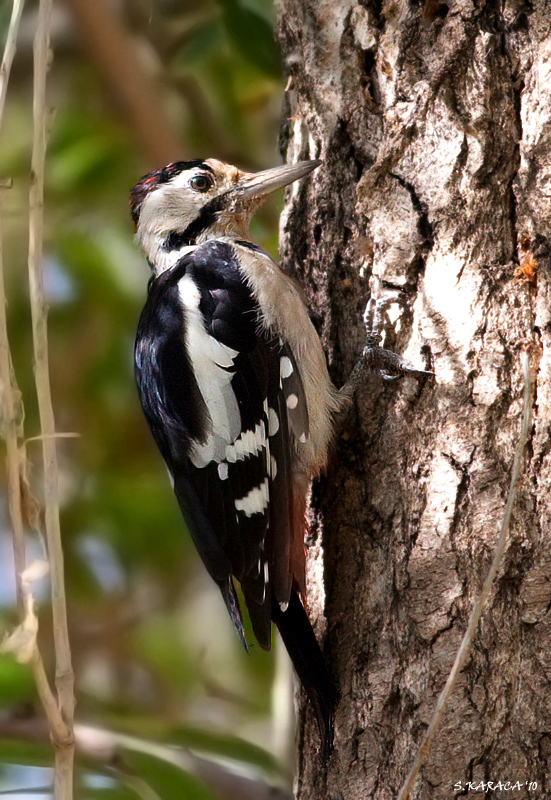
(204, 220)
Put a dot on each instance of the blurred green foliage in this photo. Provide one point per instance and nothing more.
(154, 652)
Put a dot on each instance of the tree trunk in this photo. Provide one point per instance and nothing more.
(432, 120)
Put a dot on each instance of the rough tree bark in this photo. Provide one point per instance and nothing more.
(432, 119)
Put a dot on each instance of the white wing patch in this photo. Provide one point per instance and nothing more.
(286, 367)
(211, 361)
(273, 422)
(256, 501)
(250, 443)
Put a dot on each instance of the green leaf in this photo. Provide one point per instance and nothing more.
(117, 792)
(252, 36)
(25, 753)
(167, 780)
(16, 682)
(225, 745)
(101, 788)
(205, 41)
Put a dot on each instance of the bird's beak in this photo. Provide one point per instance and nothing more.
(260, 184)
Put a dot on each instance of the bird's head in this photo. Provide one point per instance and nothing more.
(189, 202)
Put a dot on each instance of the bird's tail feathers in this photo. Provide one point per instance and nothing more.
(232, 604)
(309, 663)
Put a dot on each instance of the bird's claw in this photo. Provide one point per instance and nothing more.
(390, 365)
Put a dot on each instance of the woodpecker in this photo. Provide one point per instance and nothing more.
(234, 385)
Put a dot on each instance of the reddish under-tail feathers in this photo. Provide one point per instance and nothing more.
(288, 525)
(294, 625)
(305, 653)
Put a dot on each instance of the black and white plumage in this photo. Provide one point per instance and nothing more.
(234, 385)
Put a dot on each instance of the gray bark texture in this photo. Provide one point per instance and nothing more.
(433, 122)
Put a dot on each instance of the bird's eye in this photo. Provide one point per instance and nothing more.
(201, 183)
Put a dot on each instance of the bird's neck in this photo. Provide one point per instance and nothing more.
(163, 250)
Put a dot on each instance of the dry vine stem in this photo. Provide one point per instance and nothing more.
(9, 51)
(10, 402)
(478, 607)
(63, 738)
(24, 638)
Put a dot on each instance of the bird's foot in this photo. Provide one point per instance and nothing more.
(375, 358)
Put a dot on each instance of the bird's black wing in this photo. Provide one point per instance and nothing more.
(210, 379)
